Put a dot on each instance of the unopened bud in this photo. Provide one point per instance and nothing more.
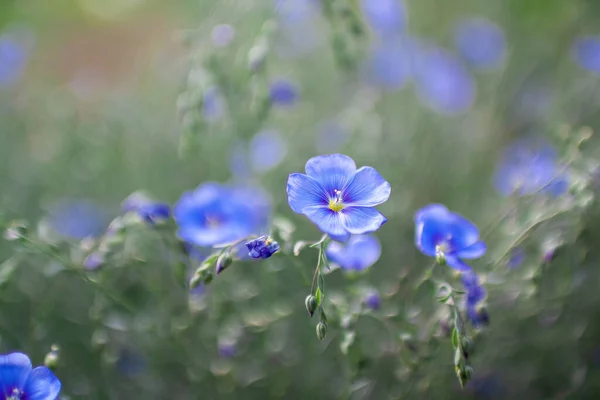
(311, 304)
(321, 330)
(52, 358)
(224, 261)
(196, 281)
(467, 346)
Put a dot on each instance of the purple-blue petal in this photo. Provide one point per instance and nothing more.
(385, 17)
(475, 250)
(586, 53)
(267, 150)
(328, 221)
(14, 369)
(457, 264)
(481, 42)
(304, 191)
(41, 384)
(367, 189)
(332, 171)
(361, 220)
(359, 253)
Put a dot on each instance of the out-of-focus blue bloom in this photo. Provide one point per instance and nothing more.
(359, 253)
(19, 381)
(77, 219)
(442, 82)
(487, 387)
(517, 256)
(262, 247)
(148, 210)
(238, 162)
(283, 92)
(481, 42)
(447, 236)
(390, 63)
(586, 53)
(227, 349)
(222, 35)
(373, 300)
(214, 214)
(267, 150)
(385, 17)
(337, 197)
(474, 296)
(527, 167)
(331, 137)
(94, 260)
(213, 104)
(297, 31)
(130, 363)
(13, 58)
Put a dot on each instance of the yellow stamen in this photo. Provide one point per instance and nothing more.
(335, 204)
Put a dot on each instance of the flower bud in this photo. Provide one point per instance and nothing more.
(196, 281)
(262, 247)
(52, 358)
(224, 261)
(321, 330)
(467, 346)
(311, 304)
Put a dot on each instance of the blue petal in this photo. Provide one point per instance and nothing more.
(14, 369)
(343, 238)
(457, 263)
(481, 42)
(431, 210)
(367, 189)
(328, 221)
(335, 253)
(475, 250)
(207, 237)
(359, 253)
(360, 220)
(41, 384)
(332, 171)
(431, 226)
(303, 191)
(464, 233)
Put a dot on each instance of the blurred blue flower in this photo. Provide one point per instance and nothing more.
(361, 252)
(13, 58)
(475, 294)
(130, 363)
(297, 32)
(372, 300)
(283, 92)
(385, 17)
(517, 256)
(337, 197)
(148, 210)
(586, 53)
(389, 64)
(527, 167)
(213, 104)
(442, 82)
(262, 247)
(331, 137)
(238, 162)
(94, 261)
(227, 349)
(222, 35)
(448, 236)
(267, 150)
(19, 381)
(77, 218)
(481, 42)
(215, 214)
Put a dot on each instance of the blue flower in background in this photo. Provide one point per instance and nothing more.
(19, 381)
(475, 294)
(448, 236)
(527, 167)
(442, 82)
(77, 219)
(214, 214)
(213, 104)
(13, 58)
(148, 210)
(297, 30)
(372, 300)
(262, 247)
(331, 137)
(586, 53)
(283, 92)
(359, 253)
(481, 42)
(94, 261)
(385, 17)
(517, 256)
(238, 162)
(227, 349)
(267, 150)
(390, 63)
(222, 35)
(337, 197)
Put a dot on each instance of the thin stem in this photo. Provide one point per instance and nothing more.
(318, 268)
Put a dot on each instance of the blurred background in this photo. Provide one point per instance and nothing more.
(100, 98)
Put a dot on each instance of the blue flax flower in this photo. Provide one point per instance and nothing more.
(267, 150)
(475, 294)
(586, 53)
(358, 254)
(19, 381)
(148, 210)
(527, 167)
(77, 218)
(448, 236)
(372, 300)
(337, 197)
(262, 247)
(13, 58)
(283, 92)
(390, 63)
(215, 214)
(385, 17)
(481, 43)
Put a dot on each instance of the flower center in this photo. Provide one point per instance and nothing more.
(212, 221)
(335, 203)
(15, 395)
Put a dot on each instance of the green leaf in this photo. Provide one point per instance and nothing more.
(319, 296)
(455, 338)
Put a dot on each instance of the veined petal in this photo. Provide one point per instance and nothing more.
(14, 369)
(433, 211)
(429, 232)
(41, 384)
(367, 189)
(303, 191)
(332, 171)
(475, 250)
(360, 220)
(328, 221)
(464, 233)
(456, 263)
